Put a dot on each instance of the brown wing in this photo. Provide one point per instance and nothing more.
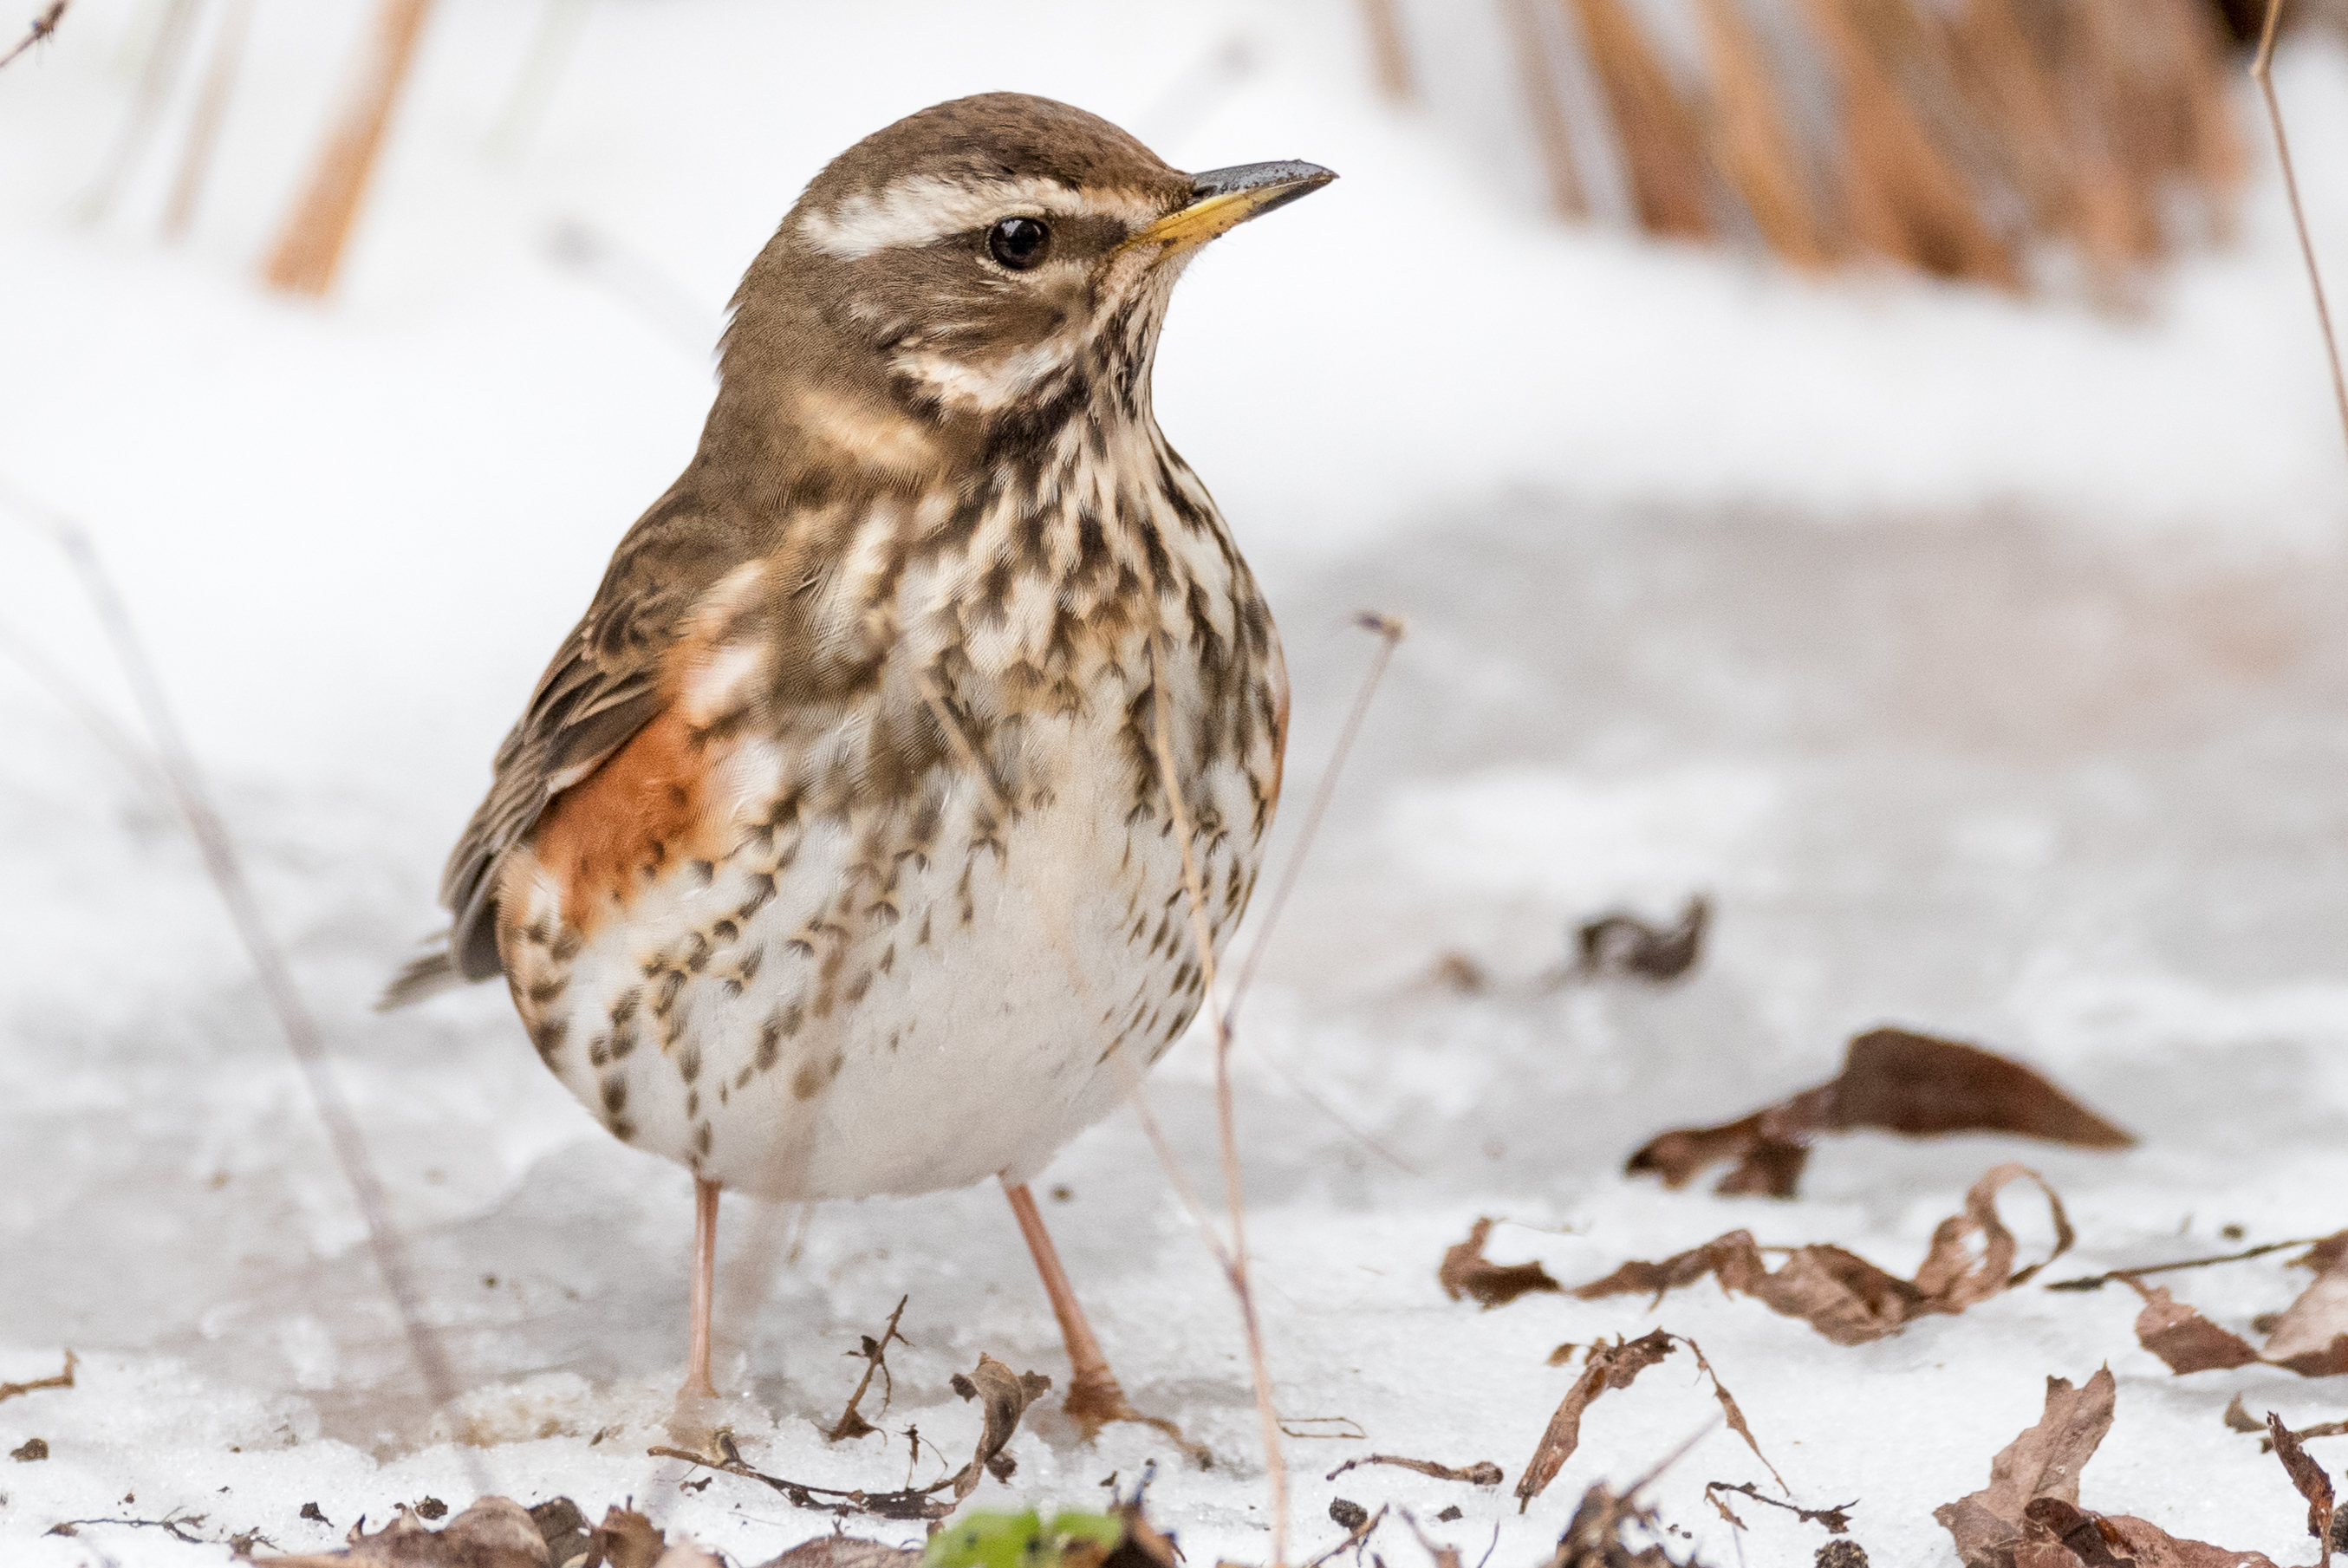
(599, 691)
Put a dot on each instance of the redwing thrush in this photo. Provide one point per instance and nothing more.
(832, 855)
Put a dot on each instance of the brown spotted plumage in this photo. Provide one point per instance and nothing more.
(833, 854)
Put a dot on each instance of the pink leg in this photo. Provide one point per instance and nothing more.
(1095, 1397)
(705, 1278)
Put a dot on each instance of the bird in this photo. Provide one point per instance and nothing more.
(860, 838)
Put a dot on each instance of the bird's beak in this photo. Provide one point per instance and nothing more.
(1223, 199)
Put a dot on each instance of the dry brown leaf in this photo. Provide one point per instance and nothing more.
(2043, 1461)
(1466, 1272)
(1615, 1366)
(1595, 1538)
(2150, 1546)
(845, 1552)
(1621, 944)
(2324, 1254)
(495, 1533)
(2029, 1515)
(2182, 1338)
(1007, 1395)
(2308, 1477)
(1609, 1366)
(2311, 1336)
(1893, 1081)
(1840, 1294)
(627, 1539)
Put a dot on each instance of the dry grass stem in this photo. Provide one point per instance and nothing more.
(225, 867)
(2097, 1282)
(43, 25)
(1226, 1121)
(310, 247)
(2262, 72)
(89, 713)
(165, 56)
(1391, 630)
(875, 1352)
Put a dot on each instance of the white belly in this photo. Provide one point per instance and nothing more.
(893, 1020)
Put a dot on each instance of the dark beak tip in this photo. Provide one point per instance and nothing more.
(1300, 179)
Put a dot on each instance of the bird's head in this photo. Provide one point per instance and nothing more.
(980, 273)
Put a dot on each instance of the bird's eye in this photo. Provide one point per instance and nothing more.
(1019, 243)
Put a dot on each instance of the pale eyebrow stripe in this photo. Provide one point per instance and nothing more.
(923, 209)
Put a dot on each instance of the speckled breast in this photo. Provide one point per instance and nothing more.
(924, 931)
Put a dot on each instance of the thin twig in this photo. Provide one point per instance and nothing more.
(169, 1524)
(165, 56)
(2097, 1282)
(1226, 1118)
(1483, 1473)
(2262, 72)
(851, 1422)
(43, 25)
(226, 869)
(910, 1502)
(1390, 631)
(62, 1380)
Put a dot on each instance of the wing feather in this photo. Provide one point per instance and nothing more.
(599, 689)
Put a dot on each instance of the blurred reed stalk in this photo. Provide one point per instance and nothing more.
(1969, 139)
(309, 249)
(204, 127)
(549, 50)
(1545, 101)
(1392, 58)
(164, 57)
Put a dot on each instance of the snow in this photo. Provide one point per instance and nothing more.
(1981, 659)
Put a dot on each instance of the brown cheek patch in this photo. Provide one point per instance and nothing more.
(641, 816)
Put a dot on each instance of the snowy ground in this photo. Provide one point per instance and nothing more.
(1984, 661)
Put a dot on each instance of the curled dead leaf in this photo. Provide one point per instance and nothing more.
(1621, 944)
(1617, 1365)
(1466, 1272)
(2029, 1516)
(495, 1533)
(1844, 1297)
(1006, 1395)
(1893, 1081)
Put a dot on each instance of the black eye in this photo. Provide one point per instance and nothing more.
(1019, 242)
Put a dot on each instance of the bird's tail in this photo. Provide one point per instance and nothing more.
(427, 974)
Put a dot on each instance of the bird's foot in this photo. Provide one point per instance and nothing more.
(1096, 1399)
(699, 1410)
